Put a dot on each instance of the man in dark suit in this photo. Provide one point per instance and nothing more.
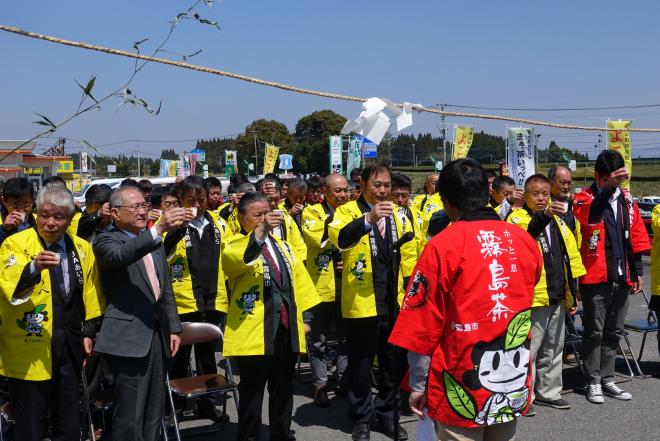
(139, 331)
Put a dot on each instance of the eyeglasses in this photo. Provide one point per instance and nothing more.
(18, 207)
(170, 204)
(135, 208)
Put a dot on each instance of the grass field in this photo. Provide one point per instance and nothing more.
(583, 176)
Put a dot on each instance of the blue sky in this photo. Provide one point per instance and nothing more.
(503, 54)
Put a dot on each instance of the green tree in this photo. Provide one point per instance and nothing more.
(311, 152)
(271, 132)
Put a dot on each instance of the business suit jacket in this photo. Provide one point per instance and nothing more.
(133, 313)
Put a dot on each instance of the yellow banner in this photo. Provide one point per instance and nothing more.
(271, 158)
(462, 141)
(619, 140)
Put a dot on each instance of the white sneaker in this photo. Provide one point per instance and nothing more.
(595, 394)
(612, 390)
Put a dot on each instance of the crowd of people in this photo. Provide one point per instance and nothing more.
(459, 295)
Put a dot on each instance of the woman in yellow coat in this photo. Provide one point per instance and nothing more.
(270, 289)
(48, 288)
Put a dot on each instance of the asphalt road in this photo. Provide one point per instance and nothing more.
(638, 419)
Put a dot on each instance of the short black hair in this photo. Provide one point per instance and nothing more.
(145, 185)
(399, 180)
(194, 183)
(128, 182)
(238, 178)
(608, 161)
(249, 198)
(98, 194)
(490, 174)
(355, 172)
(54, 180)
(464, 184)
(212, 181)
(16, 188)
(314, 183)
(537, 178)
(499, 181)
(374, 169)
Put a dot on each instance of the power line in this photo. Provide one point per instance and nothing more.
(555, 109)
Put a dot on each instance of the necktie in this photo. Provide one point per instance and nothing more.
(381, 227)
(148, 261)
(56, 274)
(284, 315)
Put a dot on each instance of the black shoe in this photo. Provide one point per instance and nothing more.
(341, 390)
(388, 430)
(556, 404)
(361, 432)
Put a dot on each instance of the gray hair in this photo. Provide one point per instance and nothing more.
(56, 195)
(116, 197)
(246, 187)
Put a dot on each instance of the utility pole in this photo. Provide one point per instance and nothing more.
(256, 153)
(444, 132)
(138, 160)
(414, 156)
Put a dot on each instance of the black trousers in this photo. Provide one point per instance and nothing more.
(365, 338)
(139, 394)
(276, 373)
(31, 401)
(605, 308)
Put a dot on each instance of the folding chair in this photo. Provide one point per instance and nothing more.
(644, 326)
(200, 385)
(572, 338)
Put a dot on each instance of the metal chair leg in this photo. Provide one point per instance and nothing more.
(632, 354)
(641, 349)
(625, 358)
(174, 417)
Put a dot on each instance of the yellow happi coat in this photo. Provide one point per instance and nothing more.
(522, 218)
(655, 252)
(245, 331)
(358, 299)
(26, 328)
(319, 263)
(433, 204)
(182, 283)
(292, 234)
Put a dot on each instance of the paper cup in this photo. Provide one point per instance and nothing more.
(58, 257)
(279, 212)
(22, 217)
(565, 209)
(193, 210)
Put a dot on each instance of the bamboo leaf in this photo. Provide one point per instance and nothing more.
(137, 44)
(45, 121)
(459, 399)
(518, 330)
(39, 308)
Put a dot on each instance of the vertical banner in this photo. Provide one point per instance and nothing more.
(174, 168)
(231, 162)
(463, 137)
(83, 162)
(164, 168)
(619, 140)
(520, 154)
(270, 158)
(336, 166)
(185, 165)
(354, 155)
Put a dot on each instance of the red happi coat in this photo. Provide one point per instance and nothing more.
(592, 248)
(468, 306)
